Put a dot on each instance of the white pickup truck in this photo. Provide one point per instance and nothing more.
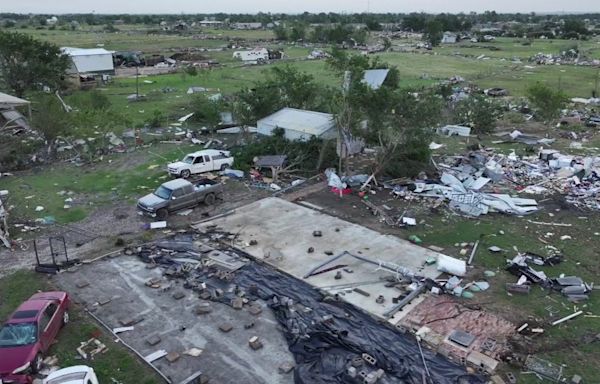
(202, 161)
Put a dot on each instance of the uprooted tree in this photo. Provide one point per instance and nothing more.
(28, 64)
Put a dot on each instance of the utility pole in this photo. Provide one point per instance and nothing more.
(137, 83)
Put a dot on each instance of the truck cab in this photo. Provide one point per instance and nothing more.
(200, 162)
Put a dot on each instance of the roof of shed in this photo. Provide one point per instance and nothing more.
(374, 78)
(71, 51)
(309, 122)
(11, 101)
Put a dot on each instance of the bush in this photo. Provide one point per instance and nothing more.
(191, 70)
(547, 102)
(156, 119)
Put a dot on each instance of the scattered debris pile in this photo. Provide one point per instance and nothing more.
(331, 340)
(472, 183)
(572, 287)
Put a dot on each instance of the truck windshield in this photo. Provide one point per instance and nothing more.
(16, 335)
(163, 193)
(188, 159)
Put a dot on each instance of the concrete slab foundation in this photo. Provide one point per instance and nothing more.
(282, 232)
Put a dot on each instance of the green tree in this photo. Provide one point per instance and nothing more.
(50, 119)
(434, 32)
(27, 63)
(280, 32)
(547, 102)
(206, 111)
(477, 112)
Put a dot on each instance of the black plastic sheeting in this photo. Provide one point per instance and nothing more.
(324, 333)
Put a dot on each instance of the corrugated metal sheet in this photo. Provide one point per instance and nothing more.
(16, 118)
(298, 124)
(11, 101)
(374, 78)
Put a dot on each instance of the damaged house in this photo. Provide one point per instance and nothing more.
(89, 65)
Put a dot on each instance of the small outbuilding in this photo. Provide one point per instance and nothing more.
(12, 120)
(88, 64)
(299, 124)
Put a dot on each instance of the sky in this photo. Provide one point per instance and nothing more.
(289, 6)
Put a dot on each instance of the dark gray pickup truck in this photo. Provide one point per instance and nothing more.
(179, 194)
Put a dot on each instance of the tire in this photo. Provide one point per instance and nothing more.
(224, 166)
(36, 364)
(162, 214)
(185, 173)
(65, 319)
(209, 199)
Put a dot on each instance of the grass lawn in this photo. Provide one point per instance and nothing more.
(117, 363)
(123, 179)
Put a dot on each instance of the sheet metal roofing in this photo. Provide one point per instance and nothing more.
(309, 122)
(374, 78)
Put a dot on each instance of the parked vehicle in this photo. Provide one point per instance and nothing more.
(28, 334)
(202, 161)
(78, 374)
(179, 194)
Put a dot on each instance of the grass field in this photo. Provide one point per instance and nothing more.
(115, 364)
(119, 178)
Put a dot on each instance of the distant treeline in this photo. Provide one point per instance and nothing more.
(416, 22)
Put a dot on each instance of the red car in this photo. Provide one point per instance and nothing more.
(28, 334)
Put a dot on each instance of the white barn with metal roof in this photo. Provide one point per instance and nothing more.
(90, 61)
(299, 124)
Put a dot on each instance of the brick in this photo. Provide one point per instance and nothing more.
(172, 357)
(153, 340)
(225, 327)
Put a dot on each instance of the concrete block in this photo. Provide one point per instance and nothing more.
(576, 379)
(497, 380)
(178, 295)
(480, 360)
(357, 361)
(369, 359)
(255, 343)
(237, 303)
(129, 321)
(255, 309)
(511, 378)
(104, 300)
(172, 357)
(205, 295)
(352, 371)
(82, 284)
(153, 340)
(286, 367)
(225, 327)
(203, 308)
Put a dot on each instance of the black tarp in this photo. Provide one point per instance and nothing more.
(325, 333)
